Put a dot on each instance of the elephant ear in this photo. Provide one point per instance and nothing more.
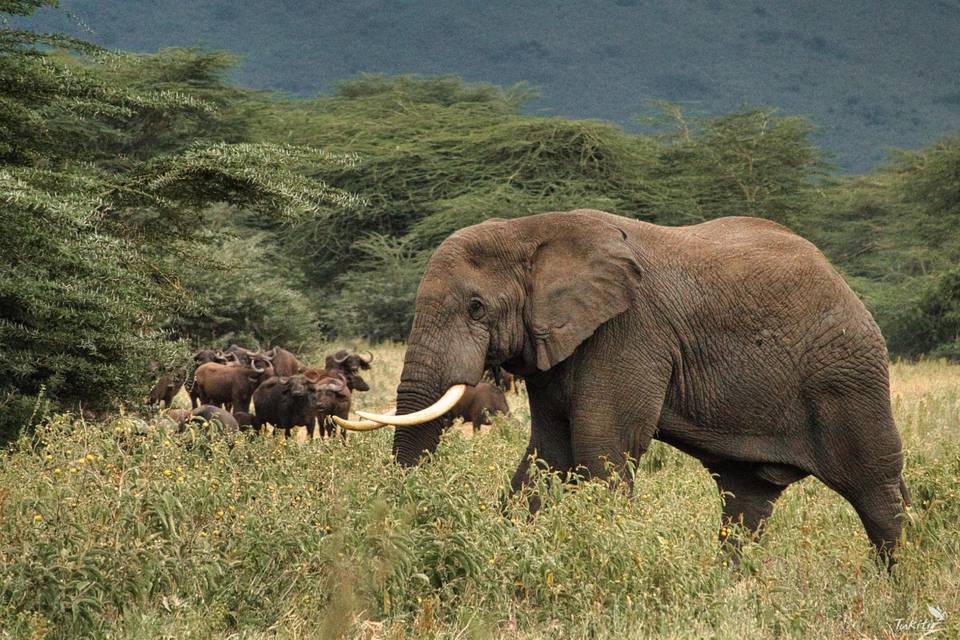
(580, 278)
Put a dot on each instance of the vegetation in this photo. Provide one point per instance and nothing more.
(149, 207)
(107, 165)
(152, 207)
(107, 533)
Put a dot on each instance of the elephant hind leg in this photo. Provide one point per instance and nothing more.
(747, 500)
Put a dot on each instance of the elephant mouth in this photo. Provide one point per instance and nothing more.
(374, 421)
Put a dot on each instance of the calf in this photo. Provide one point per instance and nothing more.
(333, 399)
(166, 388)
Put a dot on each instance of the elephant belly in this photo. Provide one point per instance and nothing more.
(778, 444)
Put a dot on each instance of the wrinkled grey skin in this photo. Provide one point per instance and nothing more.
(734, 341)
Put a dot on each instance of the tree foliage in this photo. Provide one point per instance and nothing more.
(115, 169)
(108, 163)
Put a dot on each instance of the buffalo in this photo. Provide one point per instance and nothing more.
(286, 402)
(333, 399)
(230, 386)
(478, 403)
(166, 388)
(284, 362)
(349, 365)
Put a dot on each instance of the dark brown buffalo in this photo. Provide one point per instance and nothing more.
(211, 414)
(247, 420)
(230, 386)
(239, 355)
(333, 399)
(200, 358)
(478, 404)
(166, 388)
(503, 379)
(349, 365)
(203, 413)
(284, 362)
(286, 402)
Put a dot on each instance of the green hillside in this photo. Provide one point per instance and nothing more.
(869, 74)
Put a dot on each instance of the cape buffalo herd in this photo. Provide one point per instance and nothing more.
(288, 393)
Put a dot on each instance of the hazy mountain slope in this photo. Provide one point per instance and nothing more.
(869, 73)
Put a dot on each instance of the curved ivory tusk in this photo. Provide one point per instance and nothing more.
(437, 409)
(360, 425)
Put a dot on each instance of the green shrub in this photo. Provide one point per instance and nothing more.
(376, 299)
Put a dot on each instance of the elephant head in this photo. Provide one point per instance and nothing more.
(524, 293)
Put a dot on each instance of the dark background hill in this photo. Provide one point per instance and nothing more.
(871, 74)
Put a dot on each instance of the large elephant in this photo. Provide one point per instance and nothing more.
(733, 340)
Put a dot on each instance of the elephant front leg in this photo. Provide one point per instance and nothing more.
(549, 442)
(606, 437)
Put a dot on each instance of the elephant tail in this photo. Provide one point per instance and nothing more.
(904, 492)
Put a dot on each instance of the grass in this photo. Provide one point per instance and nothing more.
(104, 533)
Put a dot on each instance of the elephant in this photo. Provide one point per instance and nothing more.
(734, 341)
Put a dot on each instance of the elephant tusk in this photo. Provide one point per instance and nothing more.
(360, 425)
(437, 409)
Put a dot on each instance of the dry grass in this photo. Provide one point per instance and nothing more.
(105, 533)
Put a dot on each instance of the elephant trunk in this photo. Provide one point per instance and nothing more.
(420, 386)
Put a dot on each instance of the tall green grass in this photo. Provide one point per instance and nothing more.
(108, 533)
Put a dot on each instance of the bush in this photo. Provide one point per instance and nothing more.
(376, 301)
(246, 292)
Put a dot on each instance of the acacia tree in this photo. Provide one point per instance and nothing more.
(102, 181)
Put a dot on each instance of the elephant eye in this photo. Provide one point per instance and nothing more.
(476, 309)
